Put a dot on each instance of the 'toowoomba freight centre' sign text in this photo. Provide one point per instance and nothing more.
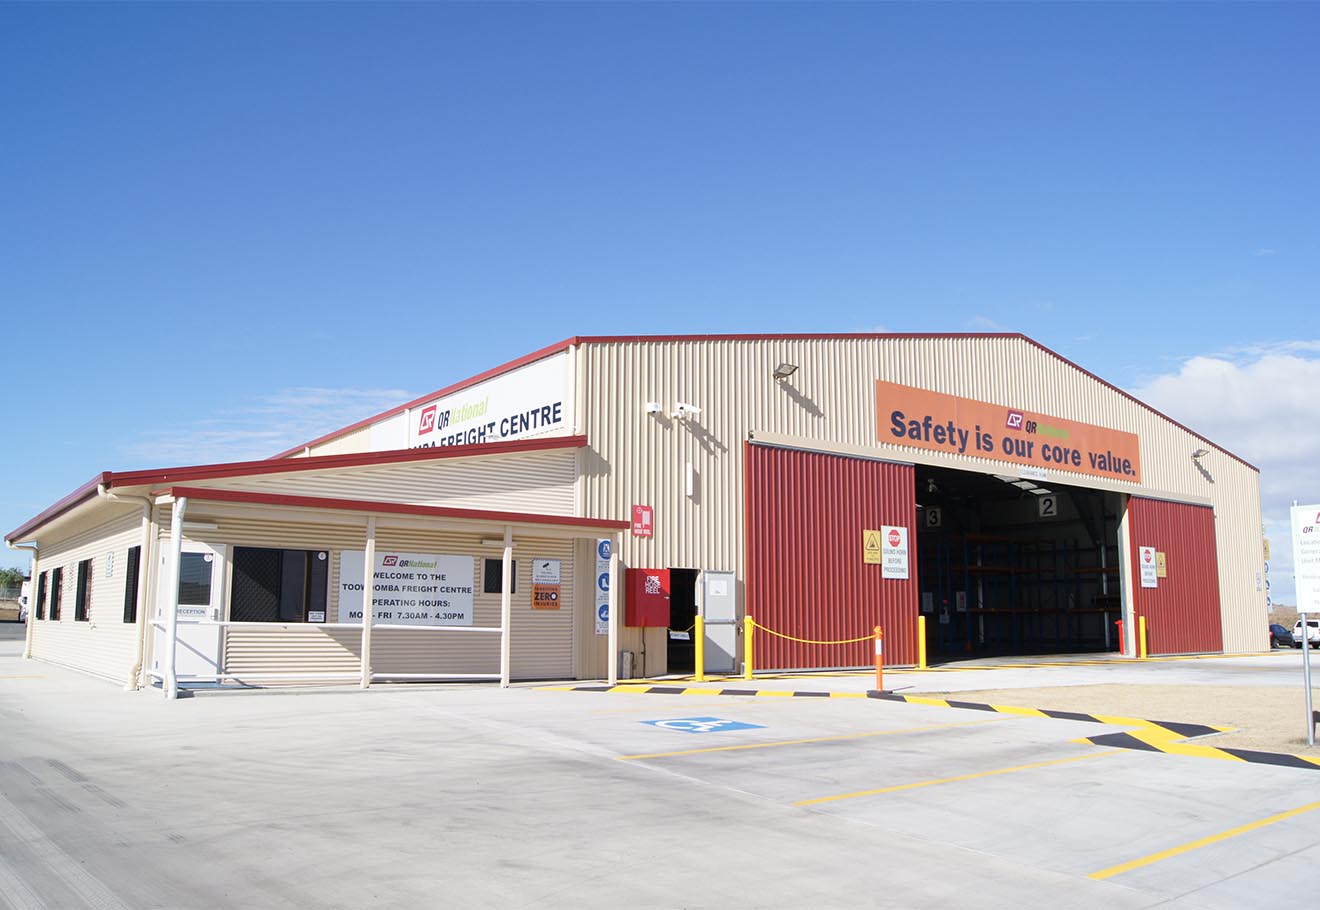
(963, 426)
(412, 589)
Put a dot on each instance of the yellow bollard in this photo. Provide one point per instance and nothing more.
(1141, 637)
(748, 626)
(921, 643)
(699, 630)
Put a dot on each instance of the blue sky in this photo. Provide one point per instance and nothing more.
(228, 228)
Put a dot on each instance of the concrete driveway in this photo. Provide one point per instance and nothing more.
(468, 796)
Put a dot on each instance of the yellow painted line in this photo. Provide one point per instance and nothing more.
(961, 777)
(632, 687)
(920, 700)
(847, 695)
(1025, 712)
(776, 693)
(742, 747)
(1203, 842)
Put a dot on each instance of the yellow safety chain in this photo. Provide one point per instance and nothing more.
(811, 641)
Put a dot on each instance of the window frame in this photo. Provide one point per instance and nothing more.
(132, 584)
(56, 593)
(83, 591)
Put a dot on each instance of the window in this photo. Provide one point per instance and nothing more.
(492, 576)
(131, 584)
(41, 596)
(195, 579)
(84, 591)
(56, 589)
(272, 585)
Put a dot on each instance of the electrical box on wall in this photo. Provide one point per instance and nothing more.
(646, 597)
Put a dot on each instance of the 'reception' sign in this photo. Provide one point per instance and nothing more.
(936, 422)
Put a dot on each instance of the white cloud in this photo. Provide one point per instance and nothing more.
(262, 427)
(1260, 403)
(984, 324)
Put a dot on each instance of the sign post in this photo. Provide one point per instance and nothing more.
(1306, 568)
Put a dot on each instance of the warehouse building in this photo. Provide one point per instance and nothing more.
(585, 503)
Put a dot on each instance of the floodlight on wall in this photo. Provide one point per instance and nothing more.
(683, 410)
(784, 370)
(1200, 453)
(654, 407)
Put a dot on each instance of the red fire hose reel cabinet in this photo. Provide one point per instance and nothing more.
(646, 597)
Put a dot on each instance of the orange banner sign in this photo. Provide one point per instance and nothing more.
(963, 426)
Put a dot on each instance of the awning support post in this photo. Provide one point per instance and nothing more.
(171, 681)
(615, 542)
(506, 606)
(368, 599)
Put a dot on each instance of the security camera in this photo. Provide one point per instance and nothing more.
(683, 410)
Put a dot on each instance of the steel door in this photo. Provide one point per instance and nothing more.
(201, 599)
(719, 609)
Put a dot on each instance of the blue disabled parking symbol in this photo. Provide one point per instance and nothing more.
(702, 725)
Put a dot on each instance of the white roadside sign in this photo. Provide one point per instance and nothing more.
(1306, 556)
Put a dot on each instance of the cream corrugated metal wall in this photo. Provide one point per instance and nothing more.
(542, 640)
(638, 458)
(531, 482)
(357, 441)
(104, 645)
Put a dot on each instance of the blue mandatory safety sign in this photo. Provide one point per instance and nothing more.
(603, 611)
(703, 725)
(603, 549)
(603, 582)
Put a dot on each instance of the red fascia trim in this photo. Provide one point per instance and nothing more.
(800, 336)
(68, 503)
(321, 462)
(439, 393)
(391, 508)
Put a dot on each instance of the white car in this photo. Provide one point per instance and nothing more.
(1312, 633)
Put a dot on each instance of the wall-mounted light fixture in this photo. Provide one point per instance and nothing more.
(784, 370)
(654, 407)
(1200, 453)
(683, 410)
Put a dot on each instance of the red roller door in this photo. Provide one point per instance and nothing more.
(806, 512)
(1182, 613)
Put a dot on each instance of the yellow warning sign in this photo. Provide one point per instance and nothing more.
(871, 547)
(1161, 565)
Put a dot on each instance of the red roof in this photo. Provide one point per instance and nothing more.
(111, 479)
(390, 508)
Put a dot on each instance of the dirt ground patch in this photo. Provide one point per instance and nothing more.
(1267, 719)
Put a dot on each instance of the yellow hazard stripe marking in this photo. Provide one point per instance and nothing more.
(961, 777)
(1203, 842)
(802, 742)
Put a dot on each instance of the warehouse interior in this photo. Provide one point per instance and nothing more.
(1014, 566)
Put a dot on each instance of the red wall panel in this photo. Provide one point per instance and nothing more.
(805, 577)
(1182, 613)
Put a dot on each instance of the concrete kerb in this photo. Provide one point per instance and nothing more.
(1169, 737)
